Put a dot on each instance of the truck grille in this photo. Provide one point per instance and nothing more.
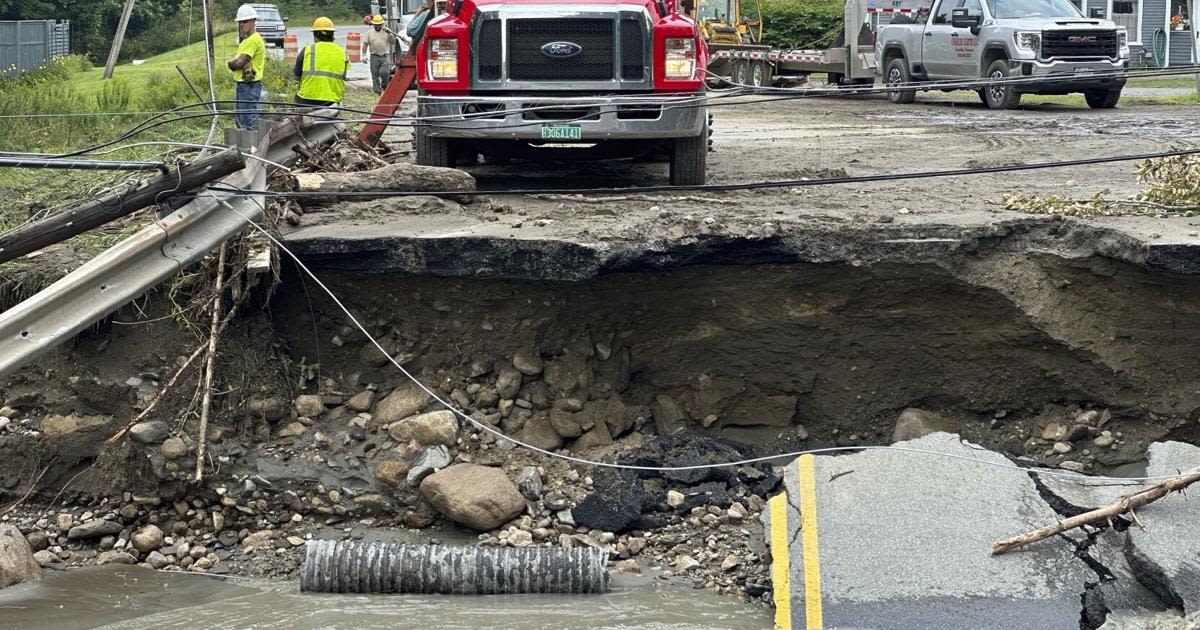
(527, 36)
(1079, 44)
(490, 52)
(632, 50)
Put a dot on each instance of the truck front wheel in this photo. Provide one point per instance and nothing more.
(688, 160)
(1000, 96)
(897, 74)
(431, 150)
(1102, 99)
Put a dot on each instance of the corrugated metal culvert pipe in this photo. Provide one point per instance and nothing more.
(360, 567)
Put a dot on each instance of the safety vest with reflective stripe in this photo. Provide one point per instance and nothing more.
(324, 75)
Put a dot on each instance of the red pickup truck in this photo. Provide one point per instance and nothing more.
(537, 78)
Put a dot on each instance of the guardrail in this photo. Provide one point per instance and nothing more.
(128, 269)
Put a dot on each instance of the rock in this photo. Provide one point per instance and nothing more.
(174, 448)
(426, 463)
(270, 409)
(53, 426)
(308, 406)
(156, 560)
(685, 563)
(520, 538)
(1054, 432)
(147, 539)
(675, 498)
(295, 541)
(38, 540)
(914, 423)
(731, 562)
(1072, 466)
(362, 401)
(94, 529)
(627, 566)
(45, 559)
(539, 432)
(479, 497)
(291, 429)
(64, 521)
(1104, 440)
(405, 401)
(427, 429)
(218, 521)
(598, 436)
(528, 363)
(17, 561)
(565, 423)
(669, 417)
(530, 483)
(1078, 432)
(568, 374)
(1062, 448)
(616, 503)
(115, 557)
(259, 539)
(391, 472)
(508, 382)
(737, 512)
(152, 432)
(373, 504)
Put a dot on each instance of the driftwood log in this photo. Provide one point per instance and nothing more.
(1126, 504)
(394, 177)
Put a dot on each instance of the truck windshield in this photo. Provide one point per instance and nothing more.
(1007, 9)
(268, 15)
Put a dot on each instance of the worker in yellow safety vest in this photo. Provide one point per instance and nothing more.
(321, 67)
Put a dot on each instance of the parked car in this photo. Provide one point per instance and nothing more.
(969, 39)
(270, 24)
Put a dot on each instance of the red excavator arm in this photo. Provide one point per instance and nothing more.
(403, 79)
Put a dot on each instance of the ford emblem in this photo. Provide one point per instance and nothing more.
(561, 50)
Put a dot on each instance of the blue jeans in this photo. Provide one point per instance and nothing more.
(249, 103)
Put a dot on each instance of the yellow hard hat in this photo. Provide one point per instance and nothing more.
(323, 24)
(378, 19)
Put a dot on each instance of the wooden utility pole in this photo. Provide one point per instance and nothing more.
(115, 50)
(208, 33)
(59, 227)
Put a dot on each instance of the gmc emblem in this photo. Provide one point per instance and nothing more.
(1082, 39)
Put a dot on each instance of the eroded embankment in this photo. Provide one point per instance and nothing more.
(1004, 343)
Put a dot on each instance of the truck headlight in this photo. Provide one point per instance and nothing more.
(681, 58)
(443, 59)
(1028, 40)
(1122, 39)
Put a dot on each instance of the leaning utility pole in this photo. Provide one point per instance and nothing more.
(118, 39)
(208, 35)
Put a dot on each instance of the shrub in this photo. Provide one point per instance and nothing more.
(802, 23)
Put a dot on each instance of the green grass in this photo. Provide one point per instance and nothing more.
(140, 77)
(1175, 81)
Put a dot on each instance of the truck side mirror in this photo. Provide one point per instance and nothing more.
(962, 18)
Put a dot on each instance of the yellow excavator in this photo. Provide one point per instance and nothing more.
(736, 52)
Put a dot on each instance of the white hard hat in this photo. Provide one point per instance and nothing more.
(246, 12)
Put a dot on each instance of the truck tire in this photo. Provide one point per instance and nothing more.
(760, 74)
(432, 150)
(688, 160)
(1102, 99)
(897, 73)
(741, 73)
(1000, 96)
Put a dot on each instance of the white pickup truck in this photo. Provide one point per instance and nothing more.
(970, 39)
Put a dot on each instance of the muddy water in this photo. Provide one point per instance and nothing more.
(131, 597)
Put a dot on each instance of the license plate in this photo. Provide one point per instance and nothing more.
(562, 132)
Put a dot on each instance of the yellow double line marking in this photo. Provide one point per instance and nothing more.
(781, 554)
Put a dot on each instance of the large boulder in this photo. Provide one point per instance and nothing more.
(427, 429)
(406, 400)
(147, 539)
(916, 423)
(539, 432)
(17, 563)
(479, 497)
(151, 432)
(94, 528)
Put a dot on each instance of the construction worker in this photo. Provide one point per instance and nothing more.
(321, 67)
(248, 68)
(379, 44)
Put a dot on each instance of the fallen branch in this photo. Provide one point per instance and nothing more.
(1126, 504)
(202, 440)
(327, 187)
